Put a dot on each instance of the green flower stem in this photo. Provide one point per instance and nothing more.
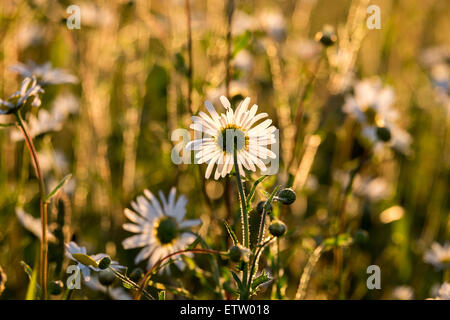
(144, 282)
(43, 203)
(124, 279)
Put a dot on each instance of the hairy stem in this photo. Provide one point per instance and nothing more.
(43, 203)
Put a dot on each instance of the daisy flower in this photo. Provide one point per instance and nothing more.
(438, 255)
(29, 89)
(443, 293)
(371, 105)
(44, 73)
(218, 132)
(160, 229)
(403, 293)
(72, 252)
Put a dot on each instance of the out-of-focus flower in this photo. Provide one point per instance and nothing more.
(242, 22)
(29, 89)
(443, 292)
(438, 255)
(33, 224)
(305, 49)
(273, 23)
(220, 131)
(49, 121)
(116, 293)
(44, 73)
(403, 293)
(372, 106)
(375, 189)
(160, 230)
(392, 214)
(243, 61)
(3, 279)
(87, 263)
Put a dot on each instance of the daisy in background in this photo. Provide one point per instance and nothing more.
(443, 293)
(218, 132)
(78, 254)
(159, 226)
(44, 73)
(438, 255)
(403, 293)
(29, 91)
(372, 106)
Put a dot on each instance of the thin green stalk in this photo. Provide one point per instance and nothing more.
(43, 204)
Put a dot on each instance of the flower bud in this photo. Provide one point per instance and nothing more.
(277, 228)
(55, 287)
(104, 263)
(287, 196)
(234, 253)
(260, 207)
(327, 36)
(384, 134)
(106, 277)
(136, 274)
(239, 253)
(361, 236)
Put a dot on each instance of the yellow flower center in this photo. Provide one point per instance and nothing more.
(228, 135)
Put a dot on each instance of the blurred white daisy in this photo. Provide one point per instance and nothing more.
(29, 89)
(372, 106)
(49, 121)
(218, 133)
(44, 73)
(160, 229)
(33, 224)
(273, 23)
(116, 293)
(76, 253)
(443, 292)
(438, 255)
(403, 293)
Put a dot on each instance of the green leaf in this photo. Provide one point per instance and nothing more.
(270, 199)
(194, 243)
(85, 259)
(162, 295)
(58, 187)
(261, 279)
(253, 190)
(231, 233)
(238, 281)
(34, 290)
(240, 42)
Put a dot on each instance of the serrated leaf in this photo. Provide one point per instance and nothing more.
(194, 243)
(253, 190)
(238, 281)
(231, 233)
(58, 187)
(261, 279)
